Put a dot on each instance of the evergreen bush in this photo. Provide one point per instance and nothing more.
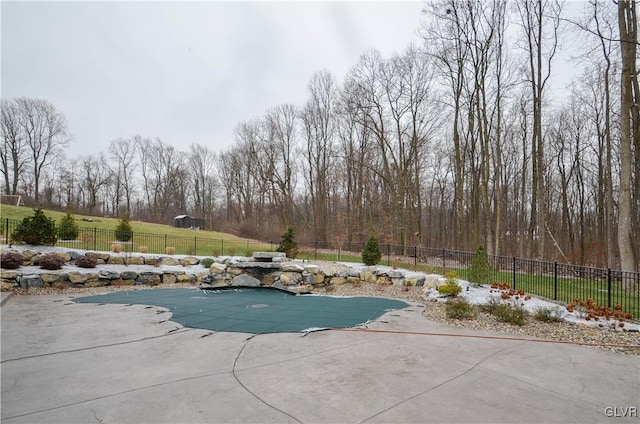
(206, 262)
(371, 254)
(480, 270)
(288, 245)
(68, 229)
(124, 232)
(37, 230)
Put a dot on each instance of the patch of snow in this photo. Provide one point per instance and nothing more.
(478, 295)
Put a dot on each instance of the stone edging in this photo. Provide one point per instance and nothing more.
(291, 275)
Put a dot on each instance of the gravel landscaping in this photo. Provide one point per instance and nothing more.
(612, 340)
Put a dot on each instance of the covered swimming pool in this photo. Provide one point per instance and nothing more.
(255, 310)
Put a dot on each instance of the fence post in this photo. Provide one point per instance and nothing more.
(444, 264)
(6, 231)
(195, 246)
(221, 247)
(388, 254)
(95, 238)
(513, 269)
(315, 250)
(165, 242)
(608, 287)
(555, 281)
(415, 258)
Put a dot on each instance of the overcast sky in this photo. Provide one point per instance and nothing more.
(186, 72)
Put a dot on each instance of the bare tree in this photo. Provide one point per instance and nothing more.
(318, 128)
(45, 131)
(280, 151)
(96, 175)
(165, 178)
(629, 122)
(539, 20)
(123, 151)
(12, 153)
(201, 165)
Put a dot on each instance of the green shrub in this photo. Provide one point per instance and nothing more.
(85, 261)
(206, 262)
(546, 314)
(288, 245)
(490, 306)
(51, 261)
(124, 232)
(68, 229)
(510, 314)
(11, 260)
(480, 270)
(37, 229)
(460, 309)
(450, 287)
(371, 254)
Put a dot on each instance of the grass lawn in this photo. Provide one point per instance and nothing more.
(97, 233)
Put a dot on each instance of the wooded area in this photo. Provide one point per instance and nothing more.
(460, 141)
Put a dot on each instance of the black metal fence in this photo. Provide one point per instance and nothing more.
(556, 281)
(552, 280)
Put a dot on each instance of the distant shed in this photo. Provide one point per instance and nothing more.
(186, 221)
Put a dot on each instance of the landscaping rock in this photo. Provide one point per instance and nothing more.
(268, 256)
(148, 279)
(292, 267)
(186, 279)
(338, 281)
(311, 269)
(99, 255)
(49, 278)
(31, 281)
(108, 275)
(308, 278)
(415, 281)
(9, 275)
(129, 275)
(217, 268)
(8, 285)
(61, 285)
(368, 277)
(189, 261)
(383, 280)
(394, 274)
(79, 278)
(245, 280)
(135, 260)
(28, 254)
(152, 261)
(398, 281)
(169, 261)
(123, 282)
(169, 278)
(98, 283)
(290, 278)
(115, 260)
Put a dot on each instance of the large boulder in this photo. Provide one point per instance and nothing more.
(189, 261)
(148, 279)
(245, 280)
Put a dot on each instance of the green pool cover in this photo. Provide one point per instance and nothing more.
(255, 310)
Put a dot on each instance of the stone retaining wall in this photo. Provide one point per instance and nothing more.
(296, 276)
